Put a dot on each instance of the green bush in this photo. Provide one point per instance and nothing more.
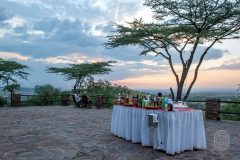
(32, 100)
(45, 95)
(196, 105)
(231, 108)
(3, 102)
(110, 92)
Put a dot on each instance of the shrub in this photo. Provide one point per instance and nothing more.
(231, 108)
(3, 102)
(110, 92)
(45, 95)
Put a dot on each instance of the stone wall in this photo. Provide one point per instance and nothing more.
(212, 110)
(16, 100)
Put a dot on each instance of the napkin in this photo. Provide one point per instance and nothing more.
(155, 117)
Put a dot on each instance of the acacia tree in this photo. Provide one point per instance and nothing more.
(12, 88)
(181, 27)
(82, 72)
(10, 71)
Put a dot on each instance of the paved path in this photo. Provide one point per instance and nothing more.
(67, 133)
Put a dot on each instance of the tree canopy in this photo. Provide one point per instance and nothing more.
(10, 71)
(80, 72)
(181, 26)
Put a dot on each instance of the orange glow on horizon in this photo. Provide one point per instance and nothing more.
(206, 79)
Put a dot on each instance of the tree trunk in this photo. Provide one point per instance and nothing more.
(75, 87)
(172, 93)
(179, 91)
(182, 82)
(11, 97)
(197, 68)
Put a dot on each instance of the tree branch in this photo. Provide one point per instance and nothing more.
(197, 69)
(145, 44)
(171, 65)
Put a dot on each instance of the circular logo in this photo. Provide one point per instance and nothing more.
(221, 140)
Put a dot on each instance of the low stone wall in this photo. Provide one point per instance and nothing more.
(212, 111)
(16, 100)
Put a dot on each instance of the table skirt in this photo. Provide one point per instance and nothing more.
(176, 131)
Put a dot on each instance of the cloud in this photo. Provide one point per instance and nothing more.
(12, 55)
(13, 27)
(233, 64)
(4, 15)
(71, 58)
(48, 29)
(75, 33)
(150, 62)
(50, 38)
(3, 32)
(212, 54)
(16, 22)
(128, 69)
(35, 32)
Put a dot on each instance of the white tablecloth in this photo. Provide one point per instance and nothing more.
(176, 131)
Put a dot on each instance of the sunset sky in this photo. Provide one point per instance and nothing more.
(46, 33)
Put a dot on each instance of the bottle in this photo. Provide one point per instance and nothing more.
(154, 101)
(169, 103)
(119, 99)
(170, 107)
(143, 103)
(149, 101)
(136, 101)
(163, 103)
(146, 101)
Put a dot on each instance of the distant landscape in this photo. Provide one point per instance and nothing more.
(202, 94)
(196, 94)
(228, 95)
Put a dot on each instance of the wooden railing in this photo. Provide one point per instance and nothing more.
(221, 101)
(24, 100)
(27, 99)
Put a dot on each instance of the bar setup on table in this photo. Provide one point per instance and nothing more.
(177, 129)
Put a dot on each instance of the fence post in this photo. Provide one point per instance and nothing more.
(65, 98)
(16, 100)
(100, 101)
(212, 110)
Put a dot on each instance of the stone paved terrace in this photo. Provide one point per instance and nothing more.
(68, 133)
